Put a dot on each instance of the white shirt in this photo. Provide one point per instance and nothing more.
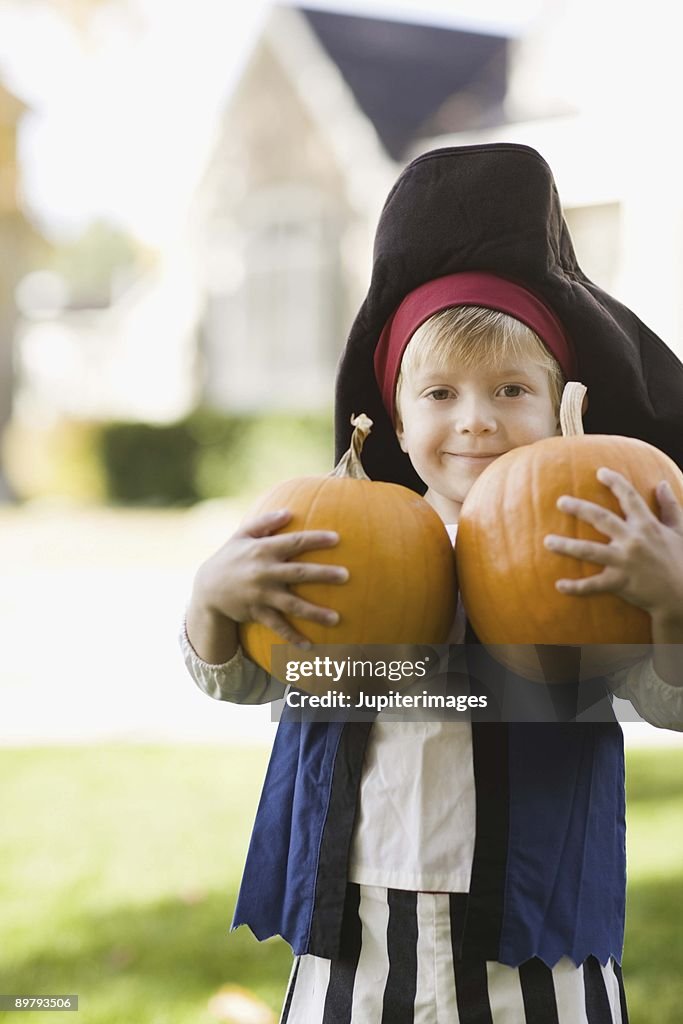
(415, 822)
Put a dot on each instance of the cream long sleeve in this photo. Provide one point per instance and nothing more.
(239, 680)
(655, 700)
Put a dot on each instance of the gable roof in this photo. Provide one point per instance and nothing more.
(415, 80)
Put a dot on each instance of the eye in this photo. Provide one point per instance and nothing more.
(512, 390)
(439, 394)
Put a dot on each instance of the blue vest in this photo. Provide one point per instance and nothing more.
(549, 866)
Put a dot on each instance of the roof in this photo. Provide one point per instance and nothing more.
(415, 80)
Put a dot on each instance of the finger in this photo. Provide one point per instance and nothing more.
(295, 607)
(265, 524)
(288, 545)
(671, 511)
(308, 572)
(632, 503)
(278, 623)
(586, 550)
(600, 583)
(603, 519)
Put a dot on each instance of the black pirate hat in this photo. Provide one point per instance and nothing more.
(495, 208)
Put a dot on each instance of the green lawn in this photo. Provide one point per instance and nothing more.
(653, 957)
(119, 872)
(120, 866)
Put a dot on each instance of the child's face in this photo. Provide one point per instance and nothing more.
(456, 422)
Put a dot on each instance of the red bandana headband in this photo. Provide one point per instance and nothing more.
(471, 288)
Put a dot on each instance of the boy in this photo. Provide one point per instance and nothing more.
(501, 892)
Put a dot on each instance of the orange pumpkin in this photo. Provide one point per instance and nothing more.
(402, 585)
(507, 576)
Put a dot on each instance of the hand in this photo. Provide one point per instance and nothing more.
(247, 580)
(643, 558)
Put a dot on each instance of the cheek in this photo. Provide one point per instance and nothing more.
(538, 427)
(415, 445)
(421, 439)
(552, 424)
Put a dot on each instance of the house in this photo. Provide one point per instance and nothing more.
(309, 145)
(251, 310)
(329, 109)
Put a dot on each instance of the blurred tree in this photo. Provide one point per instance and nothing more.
(22, 248)
(15, 238)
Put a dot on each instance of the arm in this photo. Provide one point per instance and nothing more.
(656, 701)
(247, 580)
(238, 679)
(643, 563)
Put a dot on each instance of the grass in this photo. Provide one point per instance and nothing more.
(653, 958)
(120, 866)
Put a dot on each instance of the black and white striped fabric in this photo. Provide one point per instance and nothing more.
(400, 965)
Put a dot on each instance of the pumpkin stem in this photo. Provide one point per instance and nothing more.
(571, 408)
(350, 465)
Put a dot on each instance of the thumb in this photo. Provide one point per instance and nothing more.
(671, 511)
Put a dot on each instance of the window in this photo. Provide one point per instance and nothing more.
(273, 335)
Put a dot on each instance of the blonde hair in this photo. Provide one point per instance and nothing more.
(476, 337)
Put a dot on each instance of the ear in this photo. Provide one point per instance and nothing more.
(400, 434)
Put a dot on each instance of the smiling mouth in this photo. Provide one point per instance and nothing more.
(473, 455)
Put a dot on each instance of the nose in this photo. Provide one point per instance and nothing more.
(474, 416)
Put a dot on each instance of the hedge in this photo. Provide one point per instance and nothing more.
(205, 455)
